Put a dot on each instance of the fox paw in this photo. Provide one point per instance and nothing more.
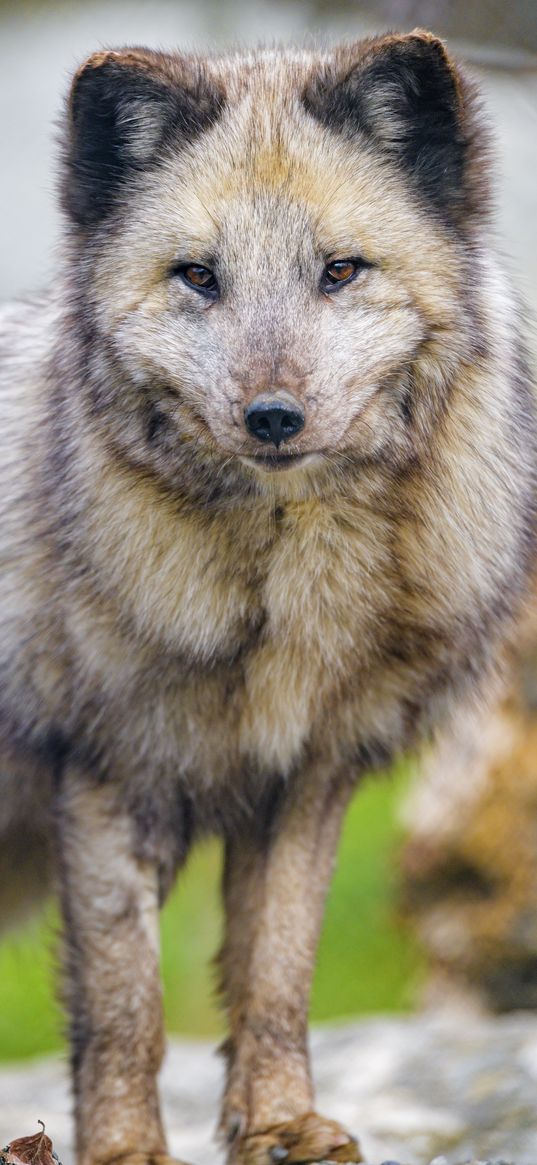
(306, 1139)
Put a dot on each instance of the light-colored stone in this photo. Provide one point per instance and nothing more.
(452, 1087)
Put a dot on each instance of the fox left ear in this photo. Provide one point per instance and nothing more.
(125, 108)
(405, 95)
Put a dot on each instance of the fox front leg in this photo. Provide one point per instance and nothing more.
(274, 891)
(112, 981)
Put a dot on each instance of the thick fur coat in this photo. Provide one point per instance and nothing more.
(199, 632)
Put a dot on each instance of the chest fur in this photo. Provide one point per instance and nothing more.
(270, 613)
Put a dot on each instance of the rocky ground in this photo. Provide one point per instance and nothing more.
(452, 1088)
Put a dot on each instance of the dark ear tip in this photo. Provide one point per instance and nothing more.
(426, 37)
(429, 43)
(127, 57)
(93, 62)
(87, 71)
(107, 59)
(427, 52)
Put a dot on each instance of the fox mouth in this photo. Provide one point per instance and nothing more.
(272, 462)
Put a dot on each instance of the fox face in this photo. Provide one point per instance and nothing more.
(275, 284)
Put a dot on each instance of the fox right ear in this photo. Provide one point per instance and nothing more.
(125, 108)
(405, 95)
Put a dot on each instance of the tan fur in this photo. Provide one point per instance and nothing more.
(194, 638)
(111, 902)
(268, 960)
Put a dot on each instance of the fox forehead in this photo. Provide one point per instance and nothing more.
(267, 150)
(273, 170)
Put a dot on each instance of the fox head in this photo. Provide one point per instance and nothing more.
(272, 252)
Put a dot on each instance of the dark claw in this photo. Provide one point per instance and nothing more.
(234, 1127)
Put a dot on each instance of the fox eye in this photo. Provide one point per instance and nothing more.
(198, 277)
(341, 271)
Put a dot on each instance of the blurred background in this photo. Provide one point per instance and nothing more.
(435, 892)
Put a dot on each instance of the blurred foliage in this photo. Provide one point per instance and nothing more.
(366, 962)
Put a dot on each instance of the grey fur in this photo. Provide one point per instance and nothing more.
(191, 642)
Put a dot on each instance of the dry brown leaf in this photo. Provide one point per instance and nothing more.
(36, 1150)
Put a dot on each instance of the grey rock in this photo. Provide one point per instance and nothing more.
(439, 1089)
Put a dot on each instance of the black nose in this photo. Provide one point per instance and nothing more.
(270, 419)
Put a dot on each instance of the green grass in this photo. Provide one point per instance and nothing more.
(366, 962)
